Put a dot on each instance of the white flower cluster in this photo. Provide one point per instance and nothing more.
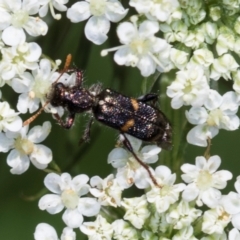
(27, 75)
(172, 211)
(209, 48)
(188, 37)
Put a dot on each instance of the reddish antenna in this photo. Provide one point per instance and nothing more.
(66, 67)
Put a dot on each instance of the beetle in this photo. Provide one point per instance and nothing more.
(133, 116)
(137, 117)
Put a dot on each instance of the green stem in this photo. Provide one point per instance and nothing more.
(175, 157)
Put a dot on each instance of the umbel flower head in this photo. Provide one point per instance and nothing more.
(16, 15)
(100, 13)
(129, 170)
(139, 46)
(204, 181)
(67, 193)
(26, 148)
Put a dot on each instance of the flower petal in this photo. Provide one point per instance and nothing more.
(45, 231)
(118, 157)
(88, 206)
(13, 36)
(36, 27)
(41, 156)
(96, 29)
(39, 133)
(51, 181)
(5, 143)
(115, 11)
(52, 203)
(19, 162)
(78, 12)
(126, 32)
(72, 218)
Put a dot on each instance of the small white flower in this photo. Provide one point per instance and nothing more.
(100, 229)
(158, 223)
(232, 7)
(215, 12)
(155, 10)
(194, 39)
(9, 119)
(219, 113)
(211, 32)
(106, 190)
(16, 59)
(129, 170)
(179, 58)
(168, 193)
(59, 5)
(68, 193)
(225, 42)
(189, 88)
(45, 231)
(182, 215)
(203, 57)
(198, 17)
(35, 87)
(223, 66)
(16, 16)
(215, 220)
(26, 148)
(136, 210)
(139, 46)
(123, 230)
(204, 181)
(175, 31)
(101, 12)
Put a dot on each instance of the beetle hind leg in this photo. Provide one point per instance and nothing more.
(128, 145)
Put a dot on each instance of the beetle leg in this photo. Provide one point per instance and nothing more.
(128, 145)
(68, 122)
(79, 75)
(148, 97)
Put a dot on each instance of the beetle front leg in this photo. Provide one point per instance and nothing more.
(128, 145)
(79, 75)
(68, 122)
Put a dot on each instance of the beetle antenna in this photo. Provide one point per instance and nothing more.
(65, 68)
